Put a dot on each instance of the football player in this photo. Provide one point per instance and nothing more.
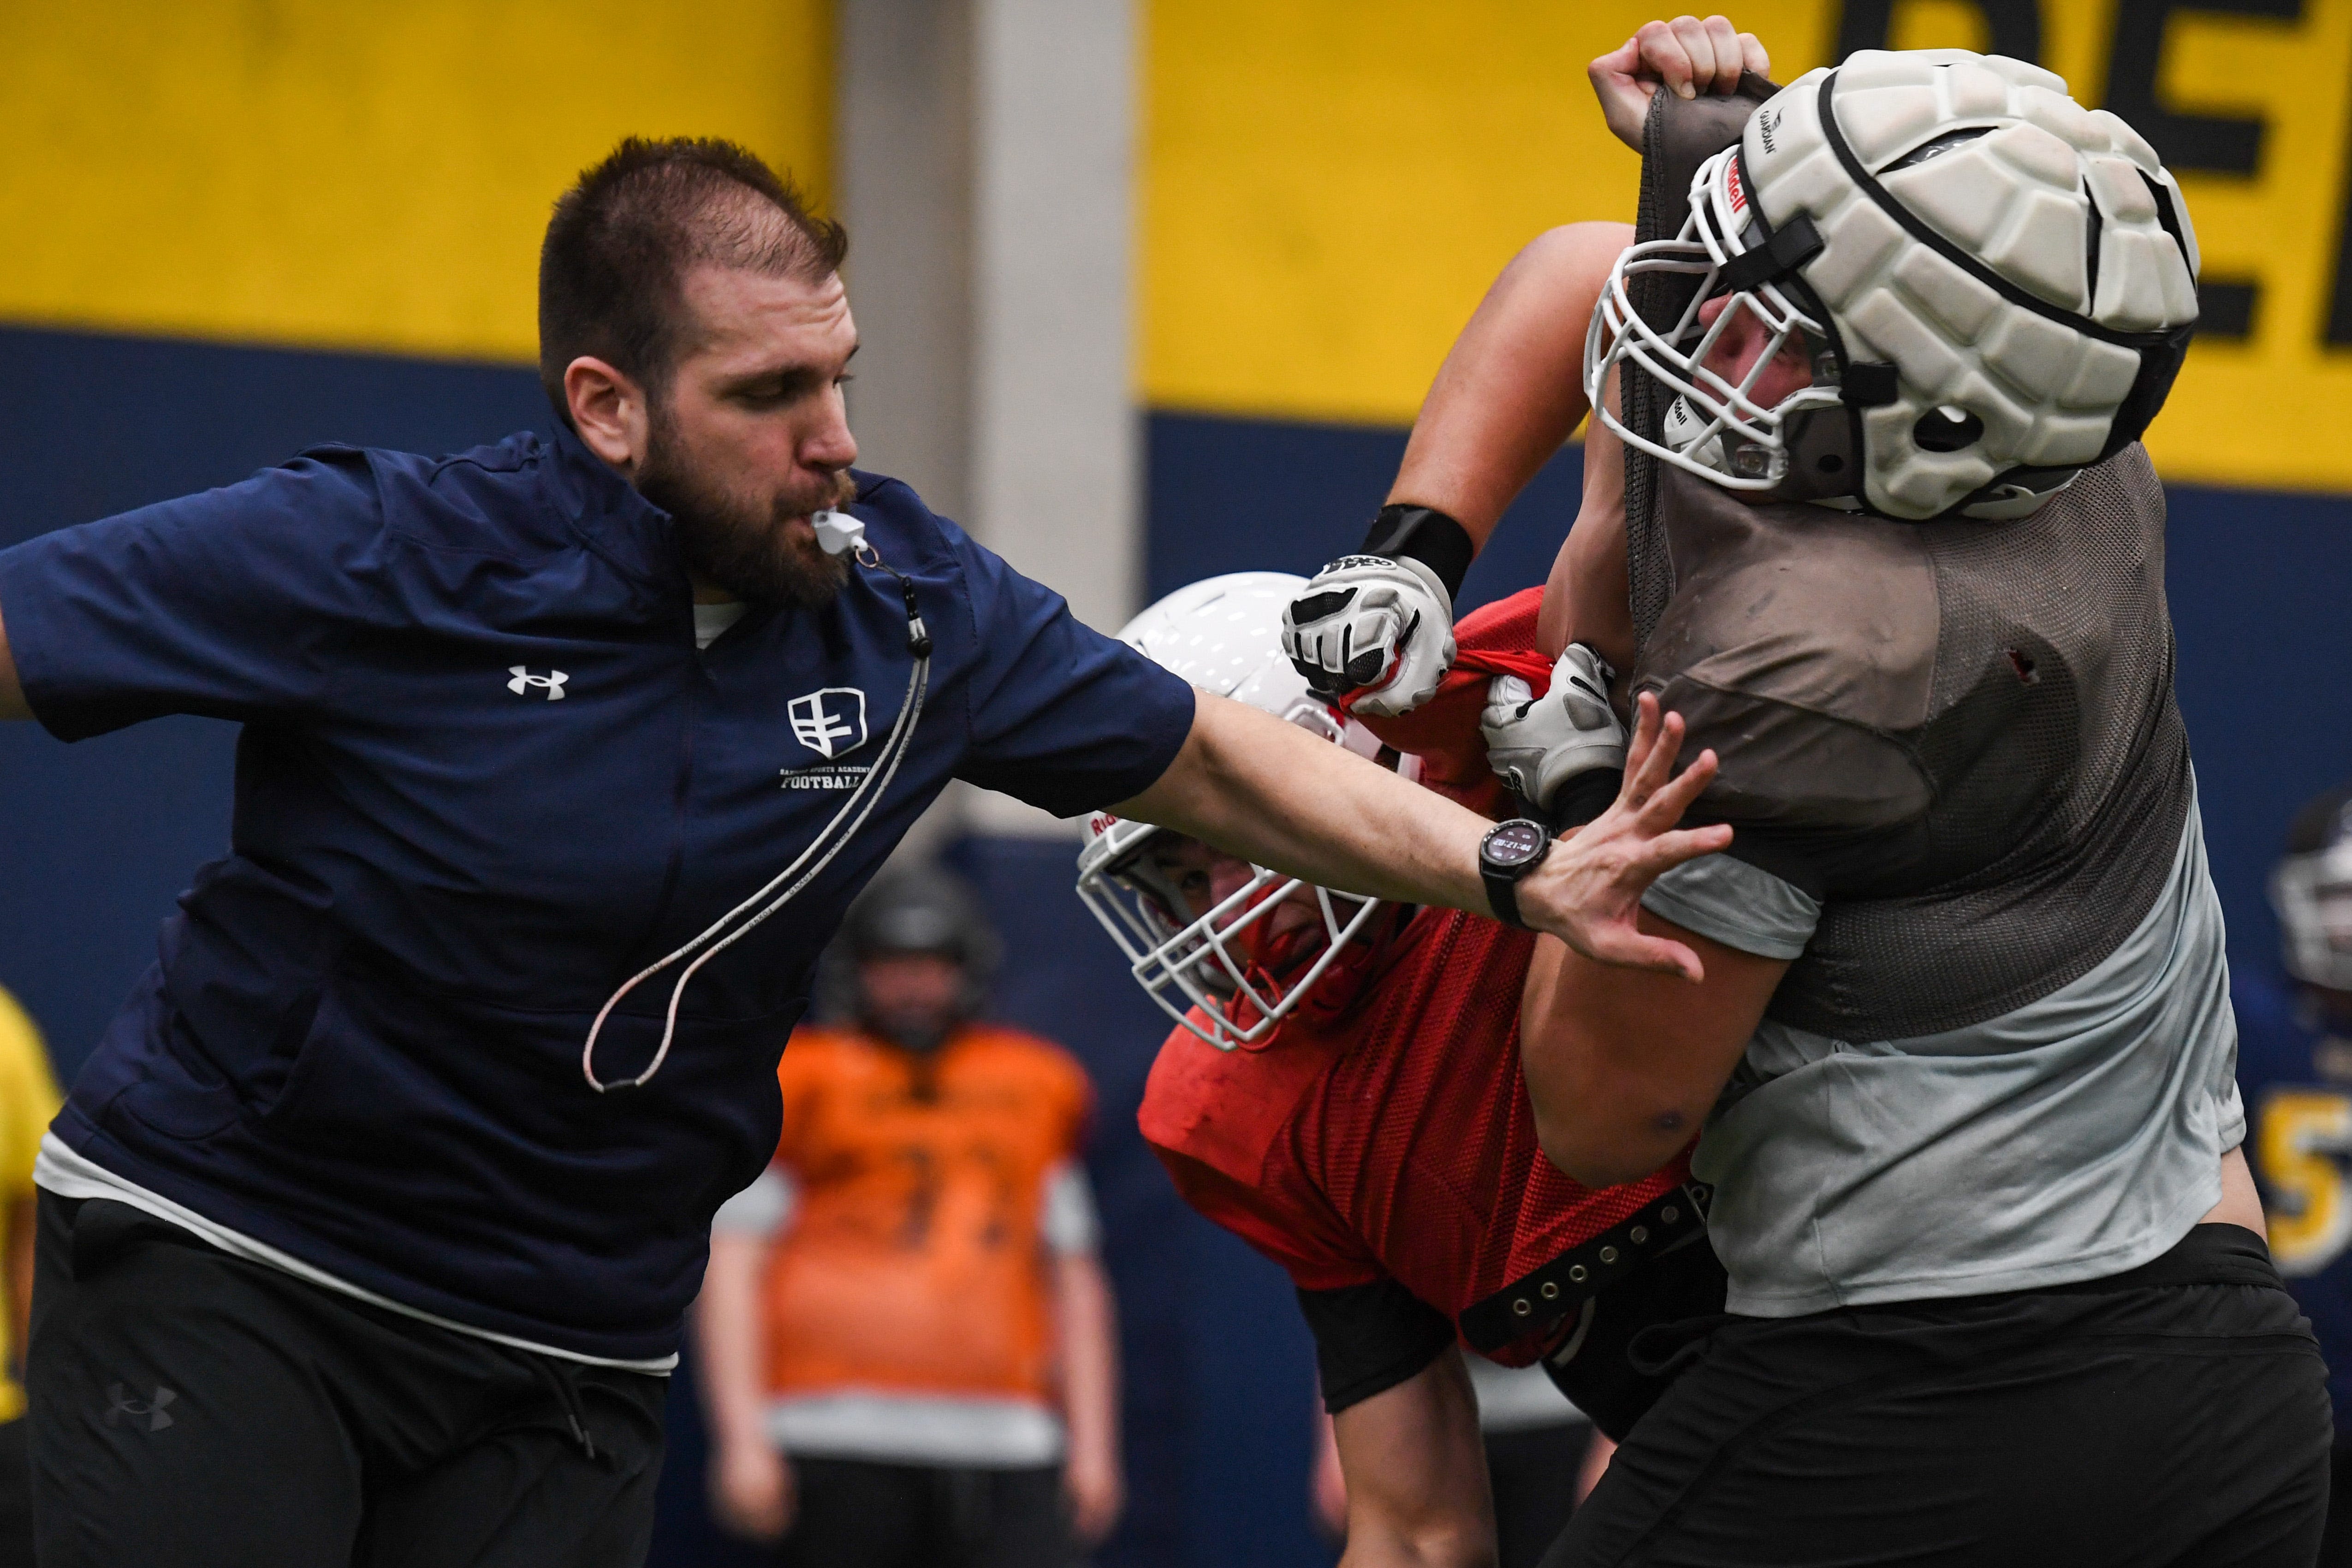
(1343, 1091)
(1871, 513)
(2294, 1067)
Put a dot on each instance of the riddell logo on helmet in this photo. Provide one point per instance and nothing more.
(1103, 822)
(1739, 192)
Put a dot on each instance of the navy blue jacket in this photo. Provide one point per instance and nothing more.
(2296, 1077)
(360, 1043)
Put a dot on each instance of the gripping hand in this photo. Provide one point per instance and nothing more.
(1380, 629)
(1537, 744)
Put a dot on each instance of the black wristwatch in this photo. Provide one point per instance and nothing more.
(1508, 853)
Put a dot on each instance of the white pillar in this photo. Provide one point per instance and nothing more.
(987, 177)
(1056, 462)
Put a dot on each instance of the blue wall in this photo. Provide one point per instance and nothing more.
(100, 835)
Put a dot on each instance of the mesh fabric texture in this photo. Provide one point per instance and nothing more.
(1421, 1139)
(1964, 732)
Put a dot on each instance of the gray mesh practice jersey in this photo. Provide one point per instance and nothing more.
(2002, 1053)
(1959, 737)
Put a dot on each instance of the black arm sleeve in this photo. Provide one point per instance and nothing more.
(1370, 1338)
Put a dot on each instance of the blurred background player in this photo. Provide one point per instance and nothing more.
(28, 1099)
(1344, 1092)
(909, 1349)
(2295, 1069)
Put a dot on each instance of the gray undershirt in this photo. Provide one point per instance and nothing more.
(2073, 1138)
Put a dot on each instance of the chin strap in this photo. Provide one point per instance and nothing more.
(837, 533)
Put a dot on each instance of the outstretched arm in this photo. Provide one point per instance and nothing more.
(12, 691)
(1270, 793)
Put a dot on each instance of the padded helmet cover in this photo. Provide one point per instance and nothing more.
(1994, 287)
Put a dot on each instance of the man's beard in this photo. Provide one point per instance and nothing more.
(746, 550)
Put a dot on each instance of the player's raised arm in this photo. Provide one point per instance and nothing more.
(12, 691)
(1512, 387)
(1378, 623)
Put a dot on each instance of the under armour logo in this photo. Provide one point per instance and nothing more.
(823, 721)
(150, 1411)
(524, 681)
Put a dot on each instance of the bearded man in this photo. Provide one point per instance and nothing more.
(348, 1251)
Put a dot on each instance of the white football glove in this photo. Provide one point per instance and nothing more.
(1368, 625)
(1537, 744)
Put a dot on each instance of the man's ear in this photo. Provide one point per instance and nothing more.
(609, 411)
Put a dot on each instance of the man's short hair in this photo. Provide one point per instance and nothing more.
(611, 269)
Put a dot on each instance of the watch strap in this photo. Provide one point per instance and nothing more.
(1503, 896)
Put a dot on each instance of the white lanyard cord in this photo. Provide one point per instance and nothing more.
(869, 792)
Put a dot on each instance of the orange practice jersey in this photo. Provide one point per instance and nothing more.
(913, 1263)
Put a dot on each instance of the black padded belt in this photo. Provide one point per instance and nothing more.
(1540, 1300)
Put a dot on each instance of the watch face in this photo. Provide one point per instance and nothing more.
(1513, 844)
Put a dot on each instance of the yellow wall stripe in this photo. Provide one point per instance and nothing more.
(1331, 183)
(366, 174)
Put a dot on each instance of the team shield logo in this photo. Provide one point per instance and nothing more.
(831, 721)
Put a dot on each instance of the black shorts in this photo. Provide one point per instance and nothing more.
(868, 1513)
(2176, 1414)
(191, 1408)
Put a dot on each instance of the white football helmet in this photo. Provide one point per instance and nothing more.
(2311, 888)
(1993, 288)
(1225, 636)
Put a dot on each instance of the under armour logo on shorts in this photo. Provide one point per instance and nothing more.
(150, 1411)
(552, 682)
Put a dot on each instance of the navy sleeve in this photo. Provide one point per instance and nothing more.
(226, 604)
(1061, 716)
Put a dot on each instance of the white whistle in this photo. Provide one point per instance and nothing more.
(837, 532)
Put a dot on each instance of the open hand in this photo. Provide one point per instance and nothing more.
(1588, 891)
(1685, 56)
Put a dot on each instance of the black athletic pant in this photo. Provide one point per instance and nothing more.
(15, 1498)
(862, 1513)
(1532, 1473)
(2176, 1414)
(2336, 1547)
(193, 1409)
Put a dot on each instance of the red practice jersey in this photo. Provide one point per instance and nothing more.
(1396, 1140)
